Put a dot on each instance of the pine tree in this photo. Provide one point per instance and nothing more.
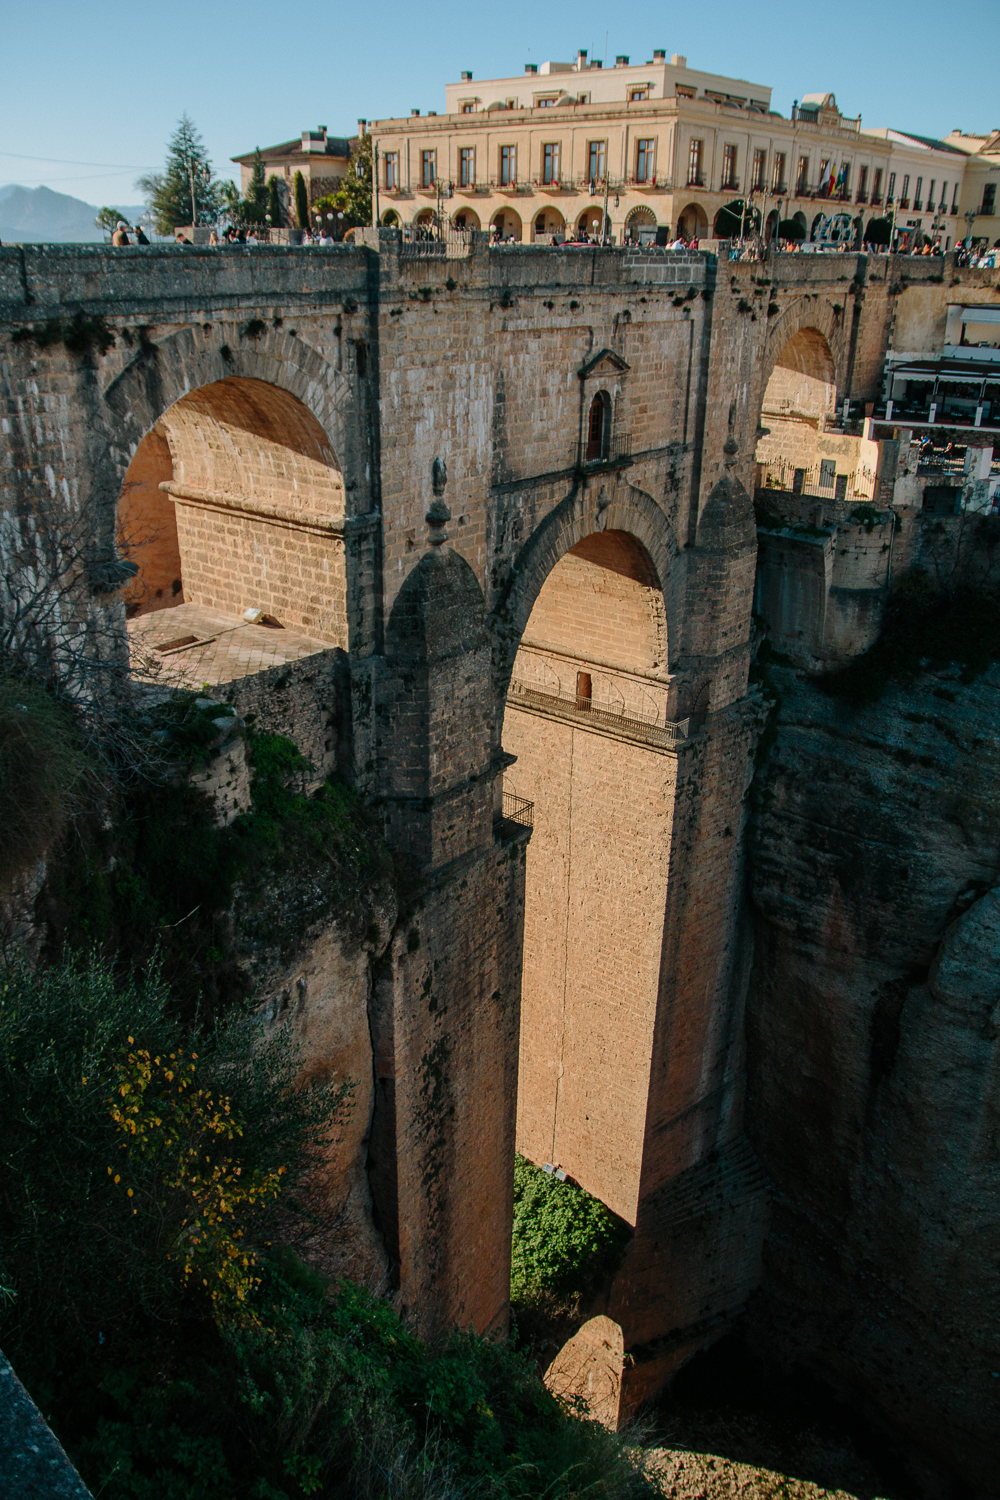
(254, 205)
(301, 201)
(185, 191)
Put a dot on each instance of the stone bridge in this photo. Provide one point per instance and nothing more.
(505, 495)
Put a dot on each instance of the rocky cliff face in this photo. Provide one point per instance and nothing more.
(873, 1030)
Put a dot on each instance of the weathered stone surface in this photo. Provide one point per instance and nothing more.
(33, 1465)
(873, 1055)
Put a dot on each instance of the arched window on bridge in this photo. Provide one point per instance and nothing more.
(599, 428)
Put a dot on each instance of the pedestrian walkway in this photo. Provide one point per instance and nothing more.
(190, 646)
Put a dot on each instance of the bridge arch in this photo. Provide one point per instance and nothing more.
(232, 472)
(587, 716)
(802, 373)
(168, 369)
(589, 509)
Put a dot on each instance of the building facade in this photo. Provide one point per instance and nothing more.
(322, 159)
(651, 146)
(981, 185)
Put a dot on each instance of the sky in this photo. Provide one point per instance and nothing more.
(91, 92)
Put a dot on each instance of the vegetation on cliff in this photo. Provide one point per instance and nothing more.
(153, 1176)
(565, 1241)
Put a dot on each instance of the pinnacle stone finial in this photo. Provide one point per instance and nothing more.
(438, 515)
(730, 448)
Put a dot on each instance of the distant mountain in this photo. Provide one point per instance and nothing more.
(38, 215)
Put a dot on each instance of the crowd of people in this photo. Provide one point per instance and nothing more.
(979, 256)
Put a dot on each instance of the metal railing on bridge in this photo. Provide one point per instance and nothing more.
(644, 727)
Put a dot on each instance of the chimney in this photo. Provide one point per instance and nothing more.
(597, 63)
(362, 127)
(414, 112)
(621, 61)
(581, 60)
(659, 54)
(531, 67)
(466, 77)
(678, 60)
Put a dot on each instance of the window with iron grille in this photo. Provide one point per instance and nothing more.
(930, 195)
(862, 184)
(508, 166)
(391, 160)
(428, 168)
(954, 199)
(759, 169)
(467, 167)
(550, 162)
(597, 157)
(694, 163)
(778, 173)
(644, 161)
(802, 178)
(890, 191)
(943, 205)
(918, 194)
(989, 204)
(877, 185)
(729, 167)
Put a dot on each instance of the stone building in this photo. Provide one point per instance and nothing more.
(321, 158)
(657, 145)
(981, 187)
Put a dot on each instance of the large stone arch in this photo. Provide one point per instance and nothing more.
(164, 371)
(586, 510)
(817, 313)
(253, 423)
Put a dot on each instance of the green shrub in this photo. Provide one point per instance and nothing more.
(162, 1392)
(164, 877)
(564, 1241)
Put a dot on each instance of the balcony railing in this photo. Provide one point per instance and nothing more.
(516, 810)
(636, 726)
(696, 182)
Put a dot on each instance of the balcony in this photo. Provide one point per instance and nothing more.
(646, 729)
(904, 204)
(779, 190)
(732, 186)
(514, 810)
(862, 196)
(695, 182)
(876, 199)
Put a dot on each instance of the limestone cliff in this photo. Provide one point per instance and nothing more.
(873, 1023)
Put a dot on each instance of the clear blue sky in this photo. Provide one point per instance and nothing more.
(95, 88)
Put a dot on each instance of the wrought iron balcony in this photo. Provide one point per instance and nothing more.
(517, 810)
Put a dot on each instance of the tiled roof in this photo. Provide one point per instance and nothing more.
(339, 146)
